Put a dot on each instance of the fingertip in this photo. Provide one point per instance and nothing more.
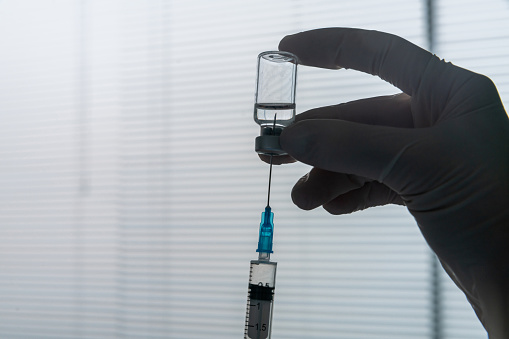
(341, 206)
(302, 201)
(290, 43)
(306, 44)
(285, 43)
(278, 159)
(296, 141)
(301, 196)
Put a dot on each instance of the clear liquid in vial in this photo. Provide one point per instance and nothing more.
(265, 113)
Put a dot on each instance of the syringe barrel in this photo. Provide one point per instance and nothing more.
(260, 299)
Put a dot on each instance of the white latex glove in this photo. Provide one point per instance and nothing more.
(441, 148)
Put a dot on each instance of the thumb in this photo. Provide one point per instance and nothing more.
(370, 151)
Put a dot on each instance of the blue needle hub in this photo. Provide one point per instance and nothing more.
(266, 231)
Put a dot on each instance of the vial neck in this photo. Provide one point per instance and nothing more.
(270, 129)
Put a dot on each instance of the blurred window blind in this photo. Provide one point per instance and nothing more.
(131, 194)
(473, 35)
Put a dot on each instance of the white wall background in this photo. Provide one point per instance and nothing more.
(131, 195)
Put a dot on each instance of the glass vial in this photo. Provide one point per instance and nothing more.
(274, 107)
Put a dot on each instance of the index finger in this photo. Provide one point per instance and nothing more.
(392, 58)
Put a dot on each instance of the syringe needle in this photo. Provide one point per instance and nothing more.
(270, 166)
(270, 177)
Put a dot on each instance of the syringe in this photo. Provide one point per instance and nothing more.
(262, 280)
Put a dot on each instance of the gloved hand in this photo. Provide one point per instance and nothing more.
(441, 148)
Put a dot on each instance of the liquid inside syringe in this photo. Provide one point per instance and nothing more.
(260, 299)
